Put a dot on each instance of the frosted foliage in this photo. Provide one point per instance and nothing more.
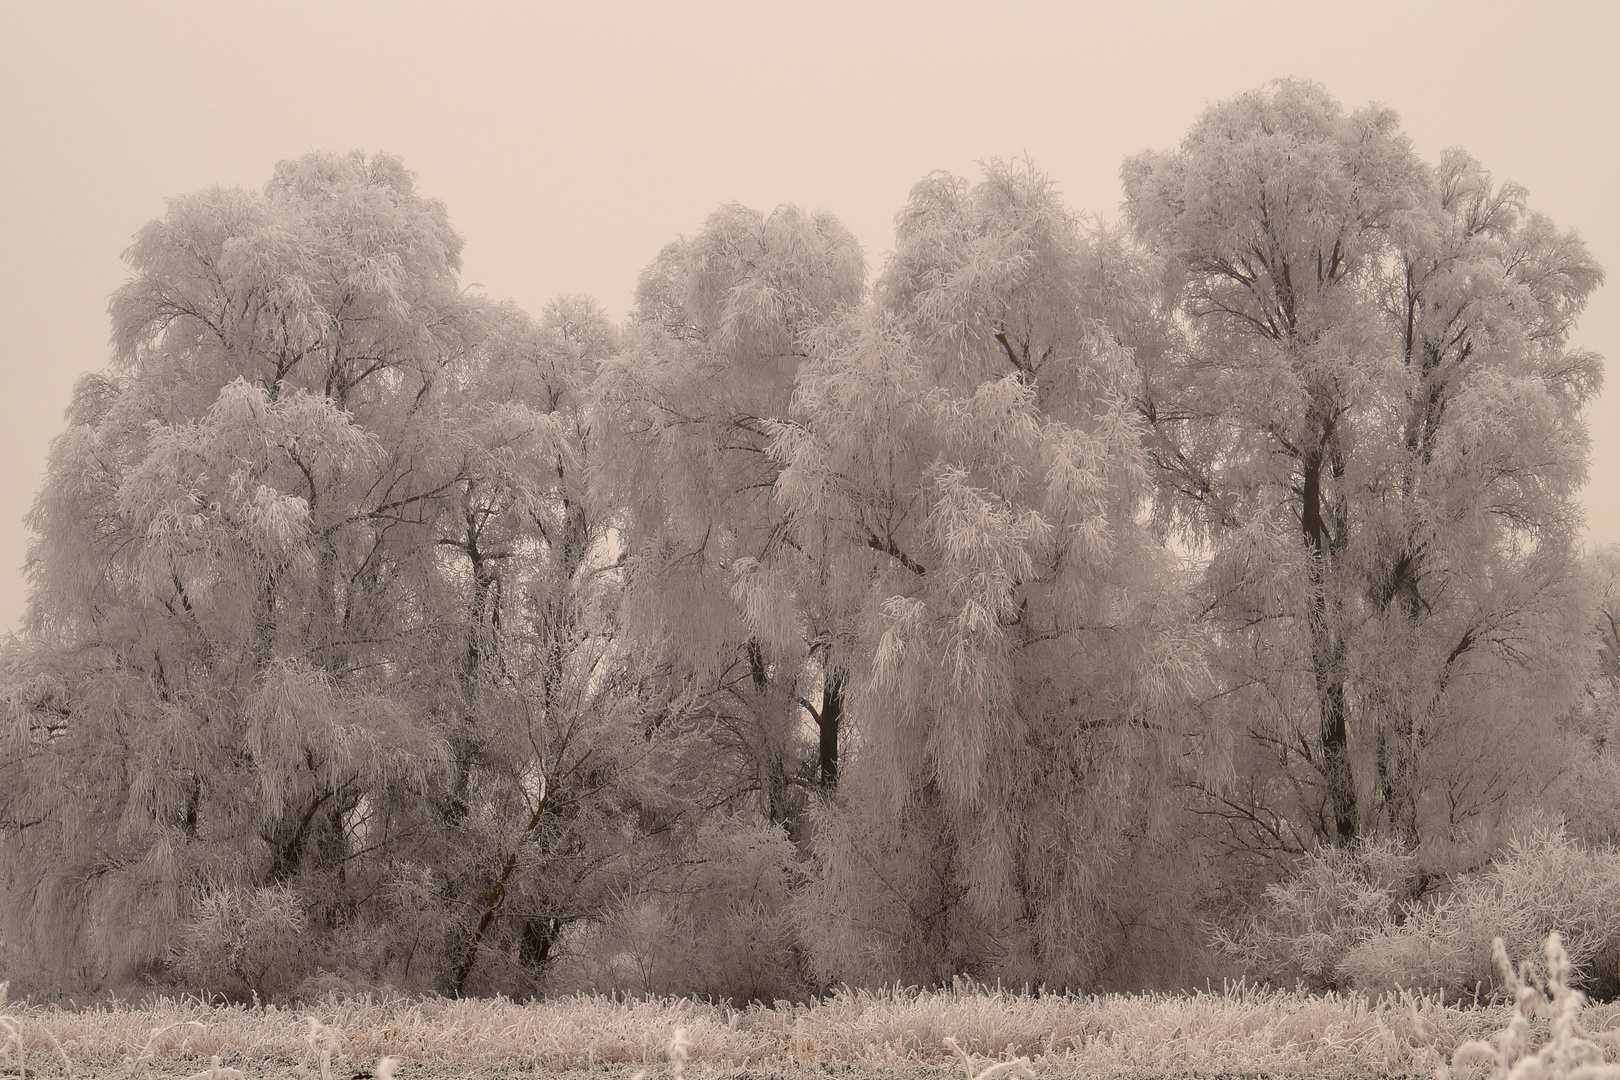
(1353, 919)
(808, 628)
(1364, 411)
(748, 269)
(313, 600)
(719, 330)
(755, 627)
(236, 938)
(215, 529)
(972, 444)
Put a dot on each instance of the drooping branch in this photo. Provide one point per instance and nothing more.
(891, 549)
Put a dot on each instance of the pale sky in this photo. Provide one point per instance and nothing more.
(572, 140)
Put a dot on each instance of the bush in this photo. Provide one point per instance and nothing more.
(717, 926)
(1544, 883)
(241, 941)
(1351, 919)
(1339, 898)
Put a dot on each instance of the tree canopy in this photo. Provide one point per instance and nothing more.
(1368, 409)
(1013, 611)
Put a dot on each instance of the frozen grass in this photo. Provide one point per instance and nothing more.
(1235, 1030)
(1572, 1053)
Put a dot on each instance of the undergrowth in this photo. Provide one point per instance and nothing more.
(1545, 1034)
(990, 1032)
(1357, 918)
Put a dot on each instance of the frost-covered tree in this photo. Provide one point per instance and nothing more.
(753, 626)
(1587, 791)
(551, 695)
(738, 613)
(1366, 412)
(311, 609)
(969, 444)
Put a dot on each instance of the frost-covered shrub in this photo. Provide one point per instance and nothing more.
(715, 927)
(1542, 883)
(243, 940)
(1351, 919)
(1339, 898)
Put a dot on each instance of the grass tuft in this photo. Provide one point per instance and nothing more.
(1572, 1053)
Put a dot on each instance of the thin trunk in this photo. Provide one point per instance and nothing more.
(1335, 733)
(1398, 750)
(828, 720)
(539, 935)
(775, 783)
(1328, 661)
(483, 628)
(770, 765)
(497, 895)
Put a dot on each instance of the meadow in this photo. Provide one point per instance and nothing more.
(1547, 1032)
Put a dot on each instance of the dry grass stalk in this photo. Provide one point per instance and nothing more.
(67, 1066)
(1573, 1053)
(322, 1042)
(1021, 1065)
(679, 1047)
(147, 1053)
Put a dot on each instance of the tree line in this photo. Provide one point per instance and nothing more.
(1020, 610)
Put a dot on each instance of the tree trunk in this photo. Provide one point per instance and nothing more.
(1398, 763)
(497, 895)
(828, 720)
(1327, 658)
(1335, 732)
(1397, 773)
(539, 935)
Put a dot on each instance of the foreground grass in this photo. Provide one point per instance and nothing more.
(1235, 1031)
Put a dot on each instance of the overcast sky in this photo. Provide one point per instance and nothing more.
(572, 140)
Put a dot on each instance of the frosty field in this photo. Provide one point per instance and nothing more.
(1230, 1031)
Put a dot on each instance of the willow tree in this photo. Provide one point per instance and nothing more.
(1367, 414)
(548, 697)
(722, 324)
(970, 444)
(273, 555)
